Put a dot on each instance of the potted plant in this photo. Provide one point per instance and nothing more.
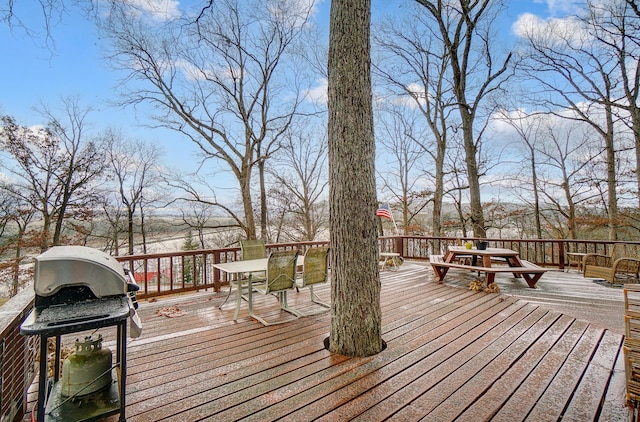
(481, 244)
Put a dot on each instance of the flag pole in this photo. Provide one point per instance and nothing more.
(384, 210)
(394, 222)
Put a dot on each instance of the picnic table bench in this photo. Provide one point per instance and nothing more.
(527, 270)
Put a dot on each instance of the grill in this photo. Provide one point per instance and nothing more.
(81, 289)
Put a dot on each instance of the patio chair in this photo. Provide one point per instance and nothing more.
(250, 249)
(280, 277)
(315, 272)
(253, 249)
(623, 261)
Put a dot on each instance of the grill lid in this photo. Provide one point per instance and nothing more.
(67, 266)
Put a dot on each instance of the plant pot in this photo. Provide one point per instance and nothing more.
(481, 246)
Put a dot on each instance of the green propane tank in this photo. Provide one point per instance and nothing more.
(87, 369)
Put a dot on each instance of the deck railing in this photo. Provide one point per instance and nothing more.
(17, 358)
(168, 273)
(176, 272)
(544, 252)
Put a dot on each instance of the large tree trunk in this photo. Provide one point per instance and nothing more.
(612, 181)
(46, 230)
(438, 193)
(15, 282)
(143, 230)
(57, 230)
(355, 284)
(263, 201)
(475, 202)
(635, 116)
(130, 229)
(247, 202)
(536, 199)
(571, 207)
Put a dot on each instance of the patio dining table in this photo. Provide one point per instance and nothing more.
(249, 266)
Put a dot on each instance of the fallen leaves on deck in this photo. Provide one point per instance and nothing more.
(476, 285)
(492, 288)
(170, 312)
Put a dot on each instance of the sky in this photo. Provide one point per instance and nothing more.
(40, 71)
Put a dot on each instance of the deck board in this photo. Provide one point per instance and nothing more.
(409, 357)
(388, 397)
(592, 388)
(510, 403)
(451, 353)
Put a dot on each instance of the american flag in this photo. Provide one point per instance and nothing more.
(384, 211)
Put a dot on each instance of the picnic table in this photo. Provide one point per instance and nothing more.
(390, 260)
(456, 257)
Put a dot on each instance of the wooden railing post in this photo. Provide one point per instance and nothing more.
(561, 251)
(397, 245)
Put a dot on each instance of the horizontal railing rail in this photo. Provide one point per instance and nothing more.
(176, 272)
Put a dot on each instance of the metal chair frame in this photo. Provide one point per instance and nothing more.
(250, 249)
(280, 277)
(316, 271)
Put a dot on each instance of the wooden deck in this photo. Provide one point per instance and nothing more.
(452, 354)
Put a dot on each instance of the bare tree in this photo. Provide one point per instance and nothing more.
(526, 128)
(219, 78)
(476, 71)
(279, 209)
(403, 162)
(582, 82)
(15, 238)
(134, 167)
(458, 185)
(80, 166)
(55, 169)
(414, 65)
(300, 180)
(565, 152)
(198, 216)
(355, 279)
(113, 212)
(616, 27)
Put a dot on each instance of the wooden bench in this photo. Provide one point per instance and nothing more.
(529, 271)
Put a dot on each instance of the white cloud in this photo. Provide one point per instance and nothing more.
(417, 95)
(550, 30)
(293, 13)
(318, 95)
(560, 7)
(158, 10)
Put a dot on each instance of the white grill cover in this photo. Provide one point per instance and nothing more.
(63, 266)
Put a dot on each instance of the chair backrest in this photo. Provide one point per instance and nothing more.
(281, 270)
(315, 265)
(253, 249)
(626, 250)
